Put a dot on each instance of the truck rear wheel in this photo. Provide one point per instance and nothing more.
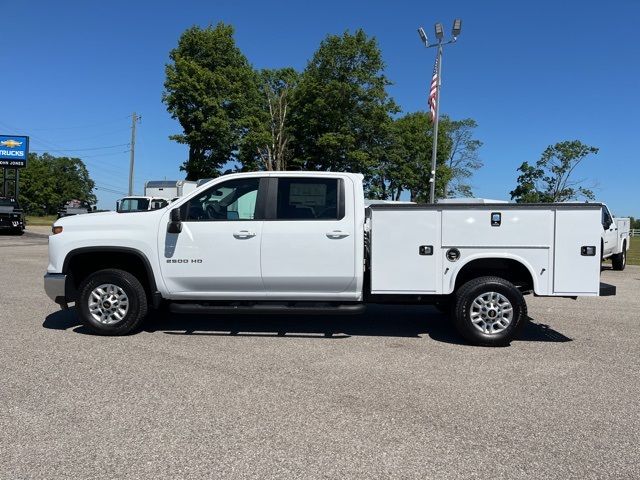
(619, 260)
(489, 311)
(112, 302)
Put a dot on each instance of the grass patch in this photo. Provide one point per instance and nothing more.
(633, 255)
(47, 220)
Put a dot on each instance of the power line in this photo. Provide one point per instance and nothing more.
(100, 135)
(109, 190)
(77, 127)
(109, 185)
(85, 149)
(115, 154)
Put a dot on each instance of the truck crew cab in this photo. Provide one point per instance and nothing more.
(305, 242)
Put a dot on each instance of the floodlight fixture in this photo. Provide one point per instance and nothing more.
(457, 27)
(423, 36)
(439, 31)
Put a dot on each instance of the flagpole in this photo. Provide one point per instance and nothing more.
(434, 149)
(455, 31)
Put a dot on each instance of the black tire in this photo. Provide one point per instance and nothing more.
(137, 301)
(619, 260)
(473, 289)
(18, 231)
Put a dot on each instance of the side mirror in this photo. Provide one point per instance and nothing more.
(175, 222)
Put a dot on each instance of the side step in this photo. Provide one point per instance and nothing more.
(308, 308)
(607, 290)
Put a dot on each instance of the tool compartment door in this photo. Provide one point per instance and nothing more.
(574, 272)
(405, 251)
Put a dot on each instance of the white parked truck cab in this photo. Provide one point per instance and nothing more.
(615, 238)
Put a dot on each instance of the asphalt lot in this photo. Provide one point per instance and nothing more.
(393, 393)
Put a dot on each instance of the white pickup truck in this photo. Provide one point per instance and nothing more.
(305, 242)
(615, 239)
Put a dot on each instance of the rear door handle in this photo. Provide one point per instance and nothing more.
(244, 234)
(337, 234)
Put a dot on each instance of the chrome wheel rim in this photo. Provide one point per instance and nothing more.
(108, 304)
(491, 312)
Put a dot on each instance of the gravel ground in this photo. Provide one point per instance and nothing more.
(393, 393)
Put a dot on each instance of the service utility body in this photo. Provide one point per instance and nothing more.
(305, 242)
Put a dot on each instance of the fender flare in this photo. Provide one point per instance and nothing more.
(101, 249)
(488, 255)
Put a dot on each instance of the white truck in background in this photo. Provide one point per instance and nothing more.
(615, 238)
(140, 204)
(304, 242)
(157, 194)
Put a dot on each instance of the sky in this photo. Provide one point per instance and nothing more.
(531, 73)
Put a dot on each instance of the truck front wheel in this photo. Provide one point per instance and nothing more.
(619, 260)
(112, 302)
(489, 311)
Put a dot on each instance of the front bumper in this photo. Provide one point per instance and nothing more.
(11, 223)
(55, 286)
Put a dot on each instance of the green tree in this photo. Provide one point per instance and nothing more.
(212, 90)
(463, 159)
(341, 110)
(407, 165)
(551, 178)
(267, 144)
(47, 182)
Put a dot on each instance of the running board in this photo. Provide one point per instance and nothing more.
(266, 308)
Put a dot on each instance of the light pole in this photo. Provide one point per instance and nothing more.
(434, 91)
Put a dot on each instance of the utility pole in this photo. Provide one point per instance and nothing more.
(134, 119)
(439, 30)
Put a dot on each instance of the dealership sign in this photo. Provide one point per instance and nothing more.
(14, 150)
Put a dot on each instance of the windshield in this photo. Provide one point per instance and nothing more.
(133, 204)
(8, 202)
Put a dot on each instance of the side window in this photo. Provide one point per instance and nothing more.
(308, 199)
(606, 218)
(232, 200)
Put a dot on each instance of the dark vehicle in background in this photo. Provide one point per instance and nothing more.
(11, 216)
(74, 207)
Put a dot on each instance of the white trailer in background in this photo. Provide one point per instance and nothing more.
(168, 189)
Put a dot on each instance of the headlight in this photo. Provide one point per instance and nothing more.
(56, 230)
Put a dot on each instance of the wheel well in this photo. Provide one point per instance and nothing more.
(506, 268)
(81, 264)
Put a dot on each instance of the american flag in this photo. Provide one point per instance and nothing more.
(433, 90)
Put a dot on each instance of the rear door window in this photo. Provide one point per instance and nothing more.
(308, 199)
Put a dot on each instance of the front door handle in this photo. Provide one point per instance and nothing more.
(244, 234)
(337, 234)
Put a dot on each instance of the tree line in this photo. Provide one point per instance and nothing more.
(334, 115)
(47, 182)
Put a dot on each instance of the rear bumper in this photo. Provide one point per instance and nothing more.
(607, 290)
(55, 286)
